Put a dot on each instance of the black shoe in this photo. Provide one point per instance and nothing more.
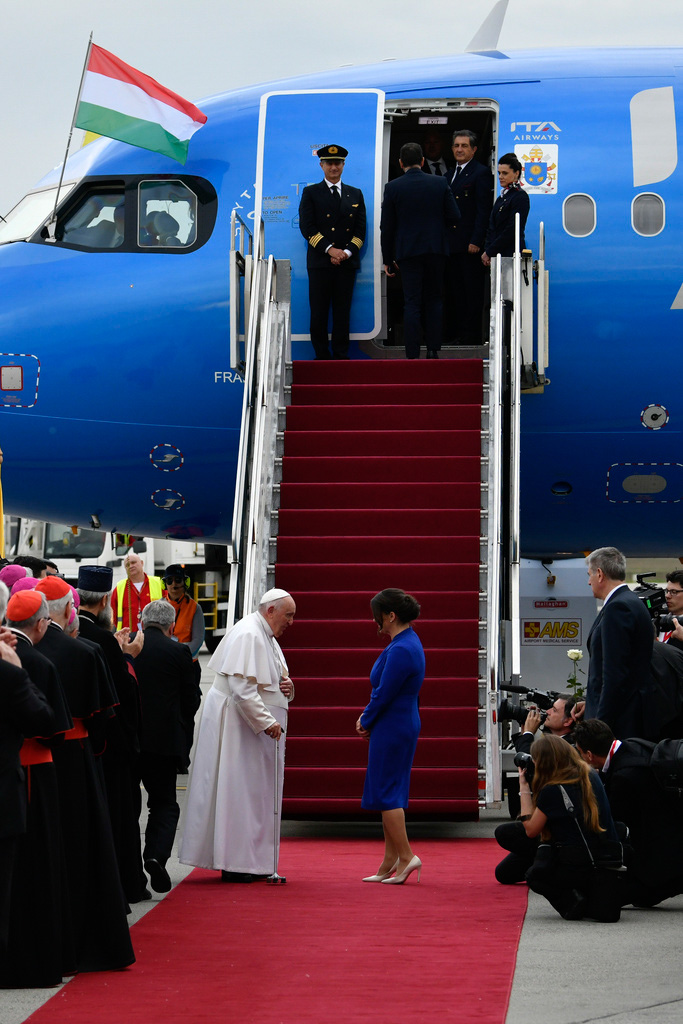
(576, 908)
(432, 353)
(159, 877)
(237, 876)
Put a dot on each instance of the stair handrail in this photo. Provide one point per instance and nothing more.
(263, 390)
(516, 361)
(494, 645)
(240, 264)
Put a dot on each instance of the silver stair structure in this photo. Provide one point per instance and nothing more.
(263, 286)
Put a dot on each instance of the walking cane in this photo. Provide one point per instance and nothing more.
(275, 878)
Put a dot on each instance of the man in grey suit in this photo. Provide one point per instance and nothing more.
(418, 215)
(620, 648)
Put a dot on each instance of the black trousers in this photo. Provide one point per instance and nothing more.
(8, 849)
(513, 868)
(331, 288)
(158, 773)
(422, 280)
(464, 289)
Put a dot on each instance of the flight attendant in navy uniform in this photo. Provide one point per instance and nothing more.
(332, 220)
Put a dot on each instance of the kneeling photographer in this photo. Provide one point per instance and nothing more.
(567, 809)
(556, 721)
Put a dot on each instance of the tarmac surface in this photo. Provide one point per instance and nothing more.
(567, 972)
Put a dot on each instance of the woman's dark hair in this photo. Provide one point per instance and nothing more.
(556, 763)
(404, 606)
(511, 161)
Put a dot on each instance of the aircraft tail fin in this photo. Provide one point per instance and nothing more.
(485, 41)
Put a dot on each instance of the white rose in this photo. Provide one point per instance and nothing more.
(575, 655)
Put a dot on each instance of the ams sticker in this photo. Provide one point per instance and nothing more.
(551, 631)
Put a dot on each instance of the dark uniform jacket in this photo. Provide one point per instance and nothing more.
(500, 236)
(473, 193)
(418, 214)
(322, 225)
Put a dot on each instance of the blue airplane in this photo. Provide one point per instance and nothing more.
(118, 402)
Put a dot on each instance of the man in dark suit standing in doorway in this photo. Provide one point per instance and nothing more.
(620, 648)
(332, 220)
(472, 186)
(418, 214)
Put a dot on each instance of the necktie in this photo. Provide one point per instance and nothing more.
(335, 195)
(437, 170)
(457, 172)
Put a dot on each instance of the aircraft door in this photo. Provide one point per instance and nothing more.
(292, 126)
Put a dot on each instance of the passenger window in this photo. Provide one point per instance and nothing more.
(97, 223)
(579, 215)
(648, 214)
(167, 214)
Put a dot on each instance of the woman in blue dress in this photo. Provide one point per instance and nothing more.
(391, 722)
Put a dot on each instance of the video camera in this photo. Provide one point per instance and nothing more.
(654, 599)
(509, 712)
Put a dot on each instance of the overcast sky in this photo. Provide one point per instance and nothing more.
(209, 47)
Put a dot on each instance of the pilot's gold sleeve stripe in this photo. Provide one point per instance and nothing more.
(314, 239)
(357, 241)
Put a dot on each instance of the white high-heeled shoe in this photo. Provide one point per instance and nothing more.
(380, 878)
(408, 870)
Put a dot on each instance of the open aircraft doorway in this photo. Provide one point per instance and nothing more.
(432, 123)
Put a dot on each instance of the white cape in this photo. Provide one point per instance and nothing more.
(232, 812)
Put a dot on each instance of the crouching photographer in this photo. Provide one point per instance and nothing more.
(566, 808)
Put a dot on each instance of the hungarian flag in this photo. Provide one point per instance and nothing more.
(122, 103)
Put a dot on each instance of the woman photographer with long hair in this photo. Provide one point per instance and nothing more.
(579, 849)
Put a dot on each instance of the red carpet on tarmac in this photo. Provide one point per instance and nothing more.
(324, 947)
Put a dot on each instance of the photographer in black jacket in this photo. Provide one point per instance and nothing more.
(653, 815)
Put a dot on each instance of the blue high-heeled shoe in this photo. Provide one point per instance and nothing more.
(380, 878)
(415, 863)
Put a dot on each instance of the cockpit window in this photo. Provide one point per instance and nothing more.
(97, 223)
(131, 214)
(167, 214)
(30, 212)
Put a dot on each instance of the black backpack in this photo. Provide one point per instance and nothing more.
(667, 764)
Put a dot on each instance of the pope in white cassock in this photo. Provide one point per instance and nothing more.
(229, 821)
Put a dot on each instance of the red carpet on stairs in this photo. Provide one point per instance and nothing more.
(324, 947)
(381, 488)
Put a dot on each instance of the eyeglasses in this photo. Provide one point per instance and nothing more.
(669, 592)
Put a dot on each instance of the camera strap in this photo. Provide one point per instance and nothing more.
(569, 806)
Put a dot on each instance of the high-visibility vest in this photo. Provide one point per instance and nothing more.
(156, 591)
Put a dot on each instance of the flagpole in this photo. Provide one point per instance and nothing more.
(52, 223)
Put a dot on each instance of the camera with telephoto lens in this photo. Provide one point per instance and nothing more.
(654, 599)
(525, 762)
(509, 712)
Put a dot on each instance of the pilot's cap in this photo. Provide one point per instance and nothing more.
(332, 153)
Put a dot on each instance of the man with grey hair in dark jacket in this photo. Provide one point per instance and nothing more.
(168, 696)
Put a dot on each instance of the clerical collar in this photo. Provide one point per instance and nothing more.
(20, 633)
(612, 751)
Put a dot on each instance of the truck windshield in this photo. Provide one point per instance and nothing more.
(62, 542)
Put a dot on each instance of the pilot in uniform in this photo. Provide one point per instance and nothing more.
(332, 220)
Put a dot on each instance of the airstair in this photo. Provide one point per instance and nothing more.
(355, 476)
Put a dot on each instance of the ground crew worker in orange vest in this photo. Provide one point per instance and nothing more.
(189, 623)
(132, 594)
